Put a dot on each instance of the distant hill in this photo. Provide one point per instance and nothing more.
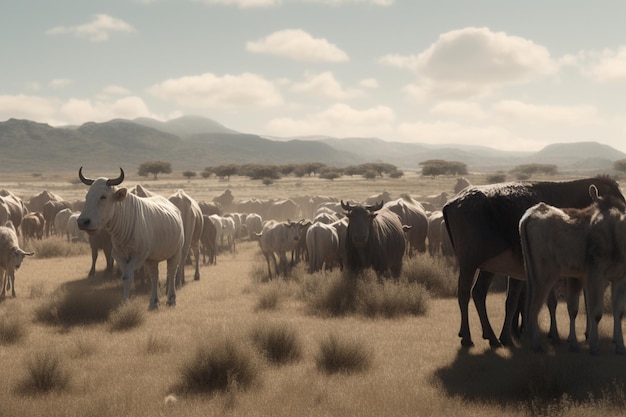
(192, 143)
(185, 126)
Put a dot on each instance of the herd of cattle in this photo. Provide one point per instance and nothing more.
(532, 232)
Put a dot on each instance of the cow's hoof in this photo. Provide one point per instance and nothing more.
(467, 343)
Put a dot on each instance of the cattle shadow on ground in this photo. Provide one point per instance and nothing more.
(518, 375)
(85, 302)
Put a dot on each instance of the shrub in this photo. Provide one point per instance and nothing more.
(57, 247)
(126, 316)
(80, 306)
(156, 344)
(278, 343)
(365, 294)
(336, 355)
(45, 373)
(434, 273)
(391, 299)
(268, 299)
(223, 365)
(12, 328)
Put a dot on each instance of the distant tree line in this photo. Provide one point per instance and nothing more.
(274, 172)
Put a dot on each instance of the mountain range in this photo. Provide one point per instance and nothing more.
(193, 142)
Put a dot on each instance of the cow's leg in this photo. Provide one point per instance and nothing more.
(618, 292)
(553, 333)
(511, 322)
(152, 269)
(595, 287)
(12, 278)
(479, 294)
(94, 258)
(196, 255)
(4, 278)
(573, 289)
(464, 292)
(284, 264)
(539, 285)
(267, 259)
(172, 267)
(128, 276)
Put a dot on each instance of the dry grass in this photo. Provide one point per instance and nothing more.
(416, 364)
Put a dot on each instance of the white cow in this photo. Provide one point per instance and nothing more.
(322, 242)
(60, 222)
(144, 231)
(587, 246)
(278, 237)
(216, 219)
(192, 223)
(11, 257)
(73, 232)
(254, 225)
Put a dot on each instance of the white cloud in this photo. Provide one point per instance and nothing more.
(298, 45)
(98, 30)
(243, 4)
(473, 61)
(370, 83)
(115, 90)
(607, 66)
(73, 111)
(342, 2)
(525, 113)
(209, 90)
(410, 62)
(458, 110)
(22, 106)
(325, 85)
(60, 83)
(78, 111)
(268, 3)
(339, 120)
(451, 132)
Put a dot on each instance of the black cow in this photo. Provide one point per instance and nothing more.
(374, 238)
(483, 226)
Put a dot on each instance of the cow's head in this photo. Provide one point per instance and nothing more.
(18, 256)
(360, 221)
(100, 201)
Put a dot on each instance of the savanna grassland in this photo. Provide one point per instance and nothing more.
(69, 348)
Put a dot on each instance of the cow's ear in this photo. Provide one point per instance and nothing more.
(372, 215)
(120, 194)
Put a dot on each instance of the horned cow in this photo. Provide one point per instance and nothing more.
(144, 231)
(374, 238)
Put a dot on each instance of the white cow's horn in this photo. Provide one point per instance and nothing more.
(86, 181)
(118, 180)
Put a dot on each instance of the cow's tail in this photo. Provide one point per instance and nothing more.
(527, 256)
(447, 223)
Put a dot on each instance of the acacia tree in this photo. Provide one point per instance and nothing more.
(189, 175)
(154, 168)
(620, 165)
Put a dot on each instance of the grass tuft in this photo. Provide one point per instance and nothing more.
(126, 317)
(45, 372)
(157, 344)
(343, 356)
(434, 273)
(279, 344)
(57, 247)
(12, 328)
(223, 365)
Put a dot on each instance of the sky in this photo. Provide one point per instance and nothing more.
(511, 75)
